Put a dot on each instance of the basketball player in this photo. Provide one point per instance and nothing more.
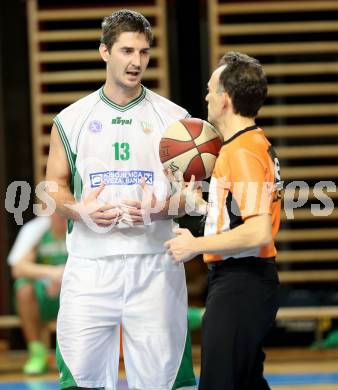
(102, 147)
(243, 219)
(37, 261)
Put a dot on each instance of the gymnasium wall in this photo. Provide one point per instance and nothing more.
(296, 41)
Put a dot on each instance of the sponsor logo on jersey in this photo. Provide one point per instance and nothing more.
(147, 127)
(125, 178)
(95, 126)
(120, 121)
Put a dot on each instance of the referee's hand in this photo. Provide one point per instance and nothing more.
(181, 248)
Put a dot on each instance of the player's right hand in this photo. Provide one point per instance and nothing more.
(102, 214)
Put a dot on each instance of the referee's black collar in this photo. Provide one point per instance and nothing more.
(249, 128)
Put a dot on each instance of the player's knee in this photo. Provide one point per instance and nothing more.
(26, 293)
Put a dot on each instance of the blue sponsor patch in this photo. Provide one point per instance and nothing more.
(120, 178)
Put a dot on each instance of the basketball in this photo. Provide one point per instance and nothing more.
(191, 146)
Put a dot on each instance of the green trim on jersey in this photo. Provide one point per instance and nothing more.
(70, 155)
(76, 187)
(128, 106)
(76, 184)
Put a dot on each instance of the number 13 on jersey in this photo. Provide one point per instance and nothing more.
(121, 151)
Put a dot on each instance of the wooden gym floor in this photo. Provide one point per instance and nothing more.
(286, 369)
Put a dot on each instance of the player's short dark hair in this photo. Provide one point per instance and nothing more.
(124, 21)
(244, 80)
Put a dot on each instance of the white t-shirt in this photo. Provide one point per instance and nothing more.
(29, 236)
(118, 145)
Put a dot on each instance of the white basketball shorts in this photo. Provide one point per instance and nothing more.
(146, 295)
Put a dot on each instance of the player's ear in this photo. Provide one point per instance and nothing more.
(104, 52)
(225, 99)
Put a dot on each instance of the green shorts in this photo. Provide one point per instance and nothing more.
(48, 306)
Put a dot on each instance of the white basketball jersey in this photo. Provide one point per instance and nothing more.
(118, 145)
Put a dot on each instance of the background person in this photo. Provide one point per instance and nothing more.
(243, 219)
(37, 261)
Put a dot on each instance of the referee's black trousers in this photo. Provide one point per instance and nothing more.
(241, 307)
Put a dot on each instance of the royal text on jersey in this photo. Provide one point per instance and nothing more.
(120, 121)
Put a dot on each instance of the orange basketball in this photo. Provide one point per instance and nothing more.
(191, 146)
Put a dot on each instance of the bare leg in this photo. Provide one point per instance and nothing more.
(28, 311)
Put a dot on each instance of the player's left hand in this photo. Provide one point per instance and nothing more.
(138, 212)
(181, 247)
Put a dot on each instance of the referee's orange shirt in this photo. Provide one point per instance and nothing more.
(245, 182)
